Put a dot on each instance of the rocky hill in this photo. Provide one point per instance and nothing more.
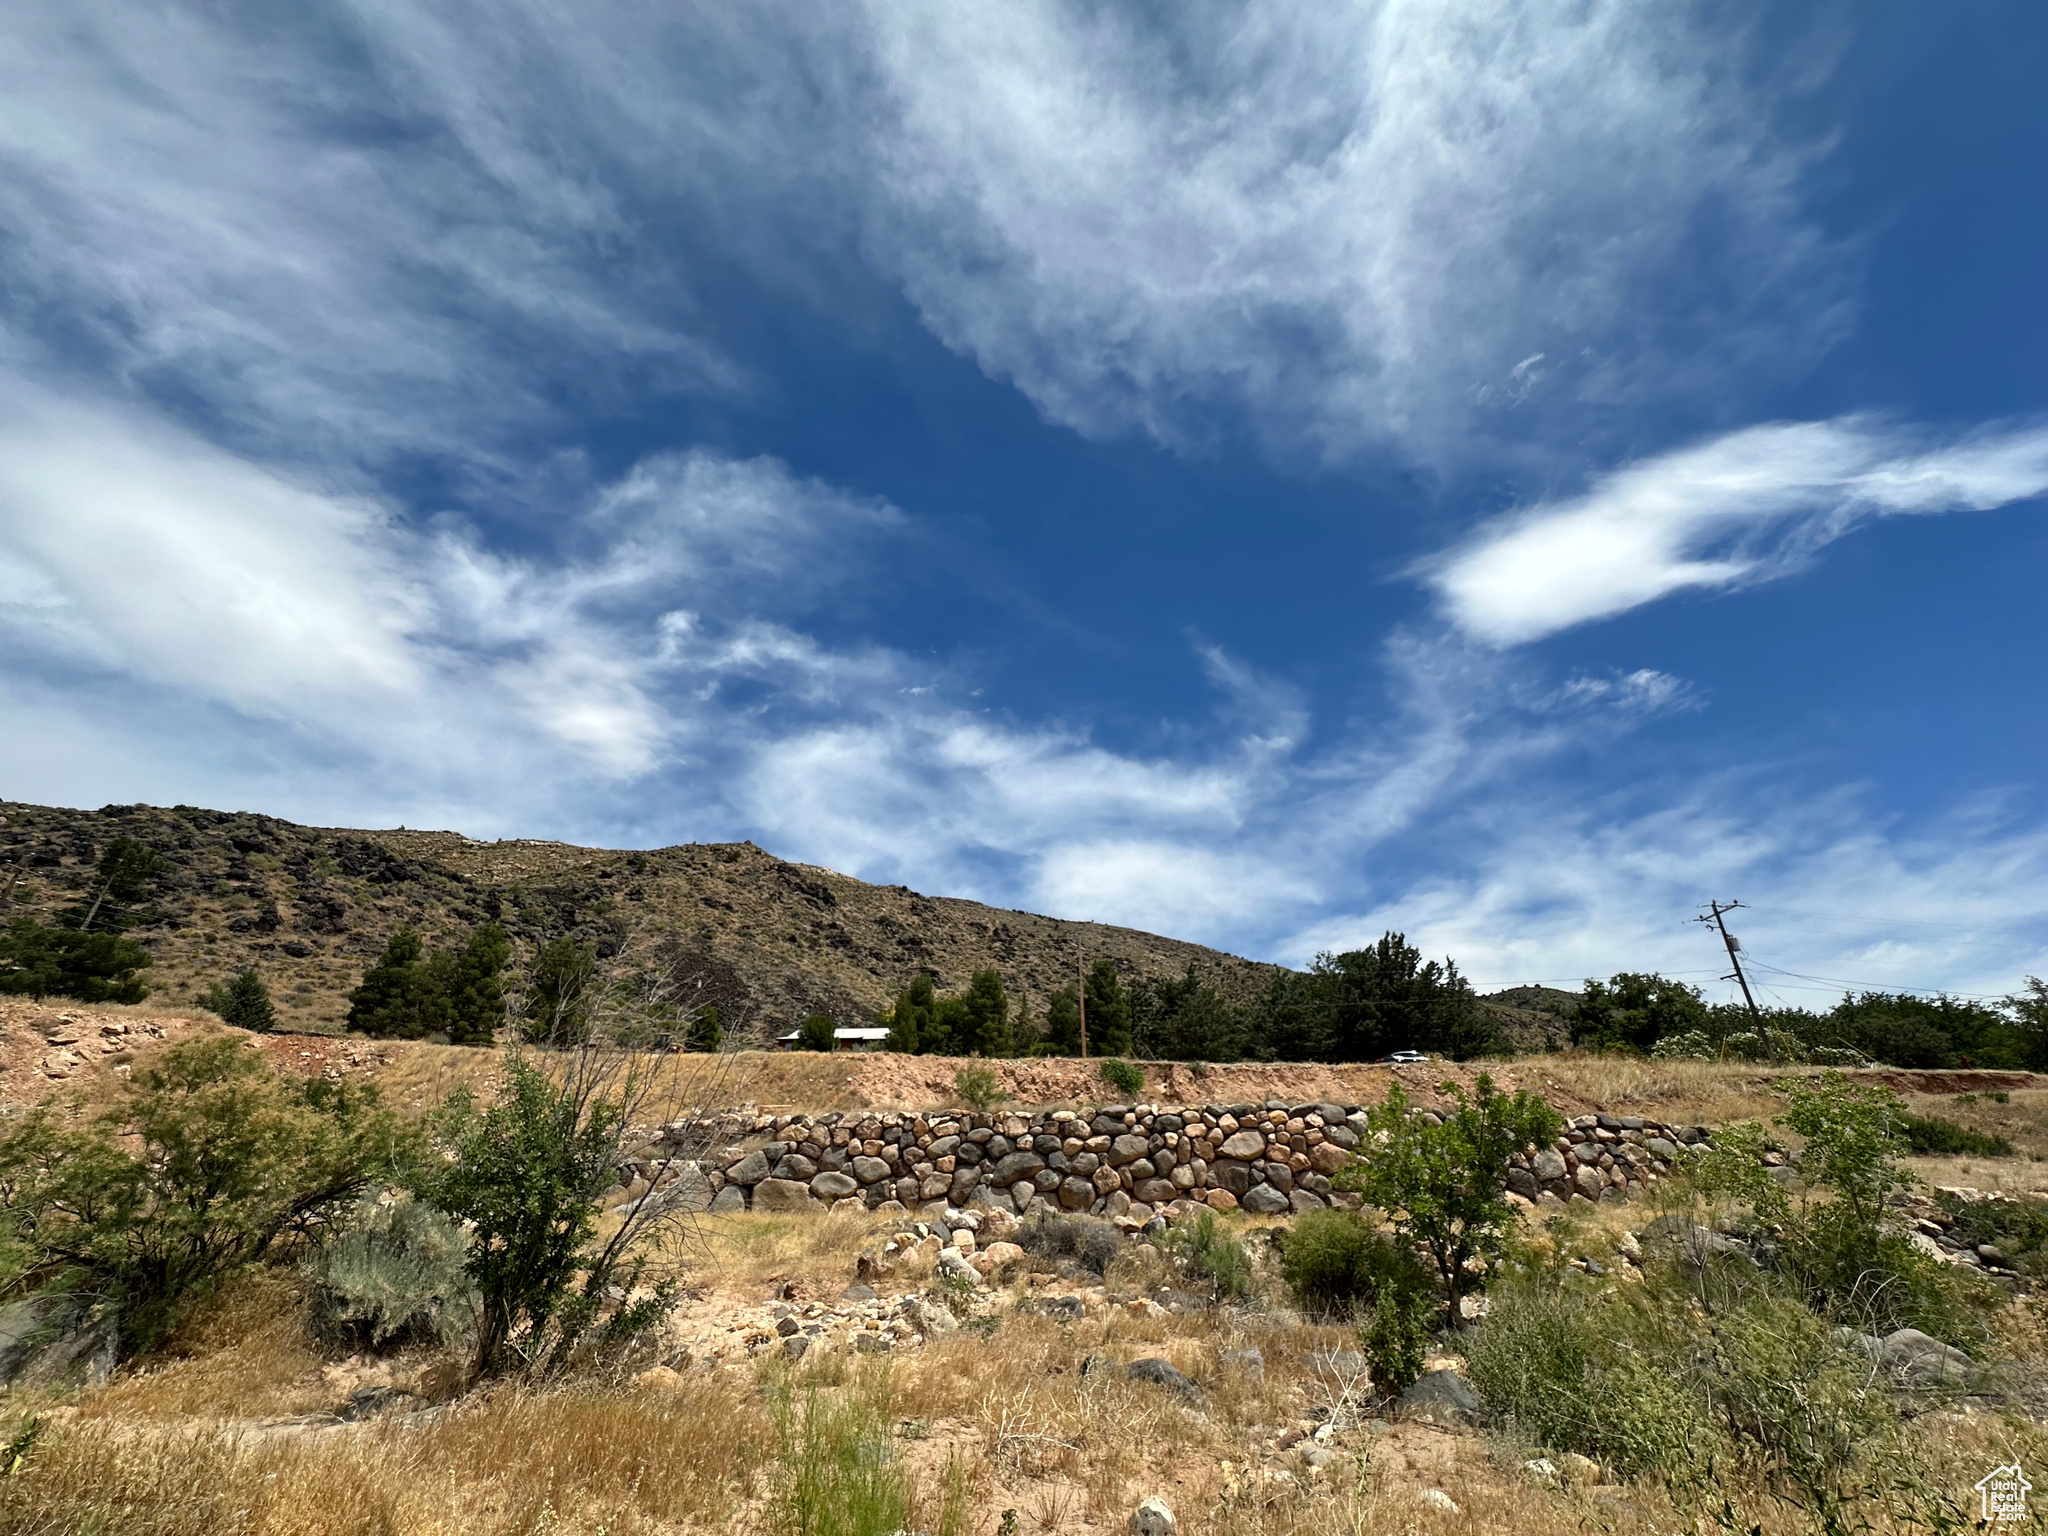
(768, 941)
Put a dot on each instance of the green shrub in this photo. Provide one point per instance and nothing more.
(1686, 1045)
(1123, 1077)
(979, 1087)
(1336, 1262)
(1443, 1178)
(817, 1033)
(704, 1032)
(1396, 1340)
(394, 1276)
(39, 962)
(1209, 1256)
(1931, 1135)
(525, 1174)
(1084, 1240)
(208, 1161)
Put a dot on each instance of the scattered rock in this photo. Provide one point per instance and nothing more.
(1913, 1359)
(1065, 1309)
(1153, 1518)
(1441, 1397)
(1436, 1498)
(930, 1318)
(1160, 1374)
(796, 1346)
(1543, 1470)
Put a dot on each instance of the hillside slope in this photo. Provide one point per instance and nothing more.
(769, 941)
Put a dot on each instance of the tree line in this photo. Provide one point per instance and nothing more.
(1353, 1005)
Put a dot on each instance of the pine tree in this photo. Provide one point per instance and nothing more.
(1109, 1011)
(475, 987)
(561, 990)
(245, 1003)
(704, 1032)
(388, 1002)
(1062, 1026)
(988, 1016)
(911, 1019)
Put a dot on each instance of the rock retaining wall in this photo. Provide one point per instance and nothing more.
(1121, 1160)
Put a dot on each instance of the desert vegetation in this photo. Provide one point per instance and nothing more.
(380, 1321)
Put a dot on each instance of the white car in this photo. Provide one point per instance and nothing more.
(1405, 1058)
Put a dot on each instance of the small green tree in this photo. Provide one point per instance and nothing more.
(704, 1032)
(398, 998)
(244, 1003)
(36, 961)
(124, 874)
(526, 1173)
(561, 992)
(1109, 1011)
(1062, 1035)
(473, 983)
(910, 1021)
(1444, 1186)
(817, 1033)
(988, 1016)
(1854, 1141)
(205, 1163)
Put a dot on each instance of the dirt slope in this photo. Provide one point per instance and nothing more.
(769, 940)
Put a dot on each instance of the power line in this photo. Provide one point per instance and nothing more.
(1877, 986)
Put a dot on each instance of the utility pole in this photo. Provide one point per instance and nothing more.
(1714, 912)
(1081, 998)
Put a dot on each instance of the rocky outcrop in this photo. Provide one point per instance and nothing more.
(1129, 1161)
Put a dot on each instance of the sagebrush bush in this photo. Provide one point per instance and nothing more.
(394, 1277)
(1336, 1262)
(1083, 1240)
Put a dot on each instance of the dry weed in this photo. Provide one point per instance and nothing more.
(245, 1351)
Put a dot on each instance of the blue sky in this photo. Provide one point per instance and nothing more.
(1265, 474)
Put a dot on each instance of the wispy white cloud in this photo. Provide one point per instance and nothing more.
(1380, 223)
(1745, 507)
(1554, 891)
(1383, 222)
(142, 554)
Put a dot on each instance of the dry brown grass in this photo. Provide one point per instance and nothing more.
(995, 1423)
(243, 1352)
(745, 1254)
(505, 1464)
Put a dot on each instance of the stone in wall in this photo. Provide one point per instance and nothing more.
(1125, 1160)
